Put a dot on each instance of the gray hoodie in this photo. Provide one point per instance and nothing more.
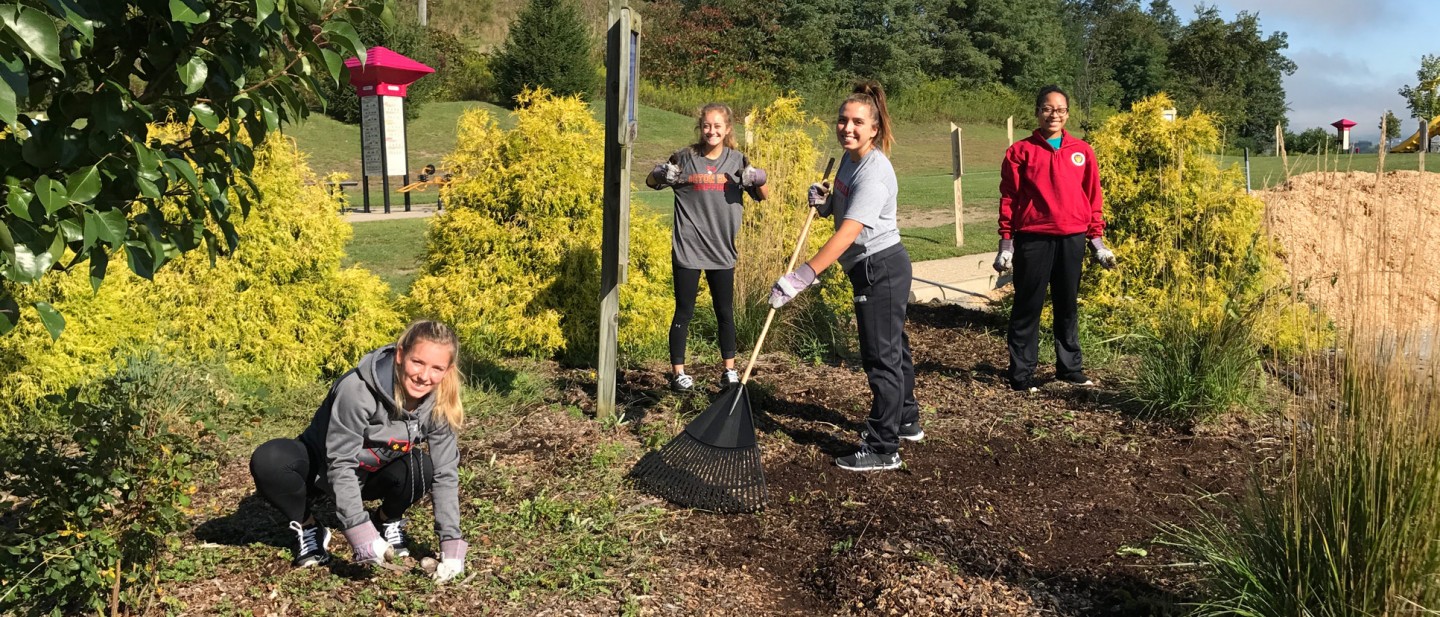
(359, 429)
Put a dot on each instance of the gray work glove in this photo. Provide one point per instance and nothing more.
(1006, 256)
(791, 285)
(369, 547)
(1102, 255)
(666, 174)
(819, 192)
(752, 177)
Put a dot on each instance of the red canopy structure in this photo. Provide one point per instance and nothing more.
(1342, 124)
(385, 73)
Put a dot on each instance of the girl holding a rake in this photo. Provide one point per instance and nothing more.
(867, 245)
(708, 178)
(387, 431)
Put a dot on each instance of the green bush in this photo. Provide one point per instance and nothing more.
(743, 96)
(103, 496)
(549, 46)
(281, 307)
(513, 263)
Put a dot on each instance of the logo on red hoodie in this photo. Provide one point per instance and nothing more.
(1078, 159)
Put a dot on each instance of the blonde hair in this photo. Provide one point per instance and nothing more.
(447, 394)
(870, 93)
(699, 145)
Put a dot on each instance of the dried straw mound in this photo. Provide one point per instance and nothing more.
(1366, 250)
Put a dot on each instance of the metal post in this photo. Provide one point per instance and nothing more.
(406, 152)
(364, 178)
(621, 59)
(957, 169)
(384, 153)
(1247, 171)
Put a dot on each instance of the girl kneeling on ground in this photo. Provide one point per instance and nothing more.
(867, 245)
(708, 178)
(1050, 210)
(386, 431)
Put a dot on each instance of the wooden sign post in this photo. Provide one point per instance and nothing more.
(622, 55)
(957, 169)
(1010, 131)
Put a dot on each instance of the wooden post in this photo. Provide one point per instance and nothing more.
(1010, 131)
(749, 133)
(1280, 147)
(621, 61)
(1384, 144)
(1277, 140)
(1424, 141)
(957, 169)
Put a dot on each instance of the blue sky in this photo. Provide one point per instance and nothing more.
(1352, 55)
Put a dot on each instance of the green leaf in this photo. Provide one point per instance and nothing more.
(333, 63)
(347, 35)
(141, 262)
(54, 322)
(193, 73)
(205, 116)
(18, 200)
(35, 32)
(147, 188)
(84, 184)
(99, 263)
(263, 9)
(9, 315)
(188, 12)
(72, 230)
(110, 226)
(147, 161)
(181, 168)
(52, 194)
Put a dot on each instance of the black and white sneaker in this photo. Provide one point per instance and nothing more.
(314, 541)
(729, 378)
(1028, 385)
(1077, 379)
(394, 532)
(682, 382)
(912, 432)
(866, 459)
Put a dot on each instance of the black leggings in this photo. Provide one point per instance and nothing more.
(722, 295)
(285, 476)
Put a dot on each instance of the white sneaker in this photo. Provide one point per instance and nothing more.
(682, 383)
(729, 378)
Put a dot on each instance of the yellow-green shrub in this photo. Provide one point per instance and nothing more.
(1190, 236)
(784, 145)
(514, 262)
(280, 308)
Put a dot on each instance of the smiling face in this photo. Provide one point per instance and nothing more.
(855, 128)
(713, 130)
(1052, 114)
(423, 366)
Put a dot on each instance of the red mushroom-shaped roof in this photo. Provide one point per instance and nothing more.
(385, 72)
(1342, 124)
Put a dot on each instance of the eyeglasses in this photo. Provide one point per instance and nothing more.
(1054, 111)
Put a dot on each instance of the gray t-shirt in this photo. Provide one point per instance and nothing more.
(866, 192)
(707, 209)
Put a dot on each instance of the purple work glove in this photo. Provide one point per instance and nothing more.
(452, 559)
(1006, 256)
(366, 543)
(791, 285)
(752, 177)
(1102, 255)
(666, 174)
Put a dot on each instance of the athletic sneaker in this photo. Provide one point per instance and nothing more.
(1028, 385)
(912, 432)
(393, 531)
(1077, 379)
(729, 378)
(866, 459)
(314, 543)
(681, 382)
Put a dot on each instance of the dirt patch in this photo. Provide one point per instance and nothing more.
(1361, 245)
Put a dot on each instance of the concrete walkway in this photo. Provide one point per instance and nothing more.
(968, 280)
(377, 213)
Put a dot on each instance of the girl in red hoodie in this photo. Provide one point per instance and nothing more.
(1050, 210)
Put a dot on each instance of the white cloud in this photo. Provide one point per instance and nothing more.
(1335, 15)
(1329, 86)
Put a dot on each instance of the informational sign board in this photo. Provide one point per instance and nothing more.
(390, 109)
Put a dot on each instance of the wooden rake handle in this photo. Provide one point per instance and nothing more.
(795, 256)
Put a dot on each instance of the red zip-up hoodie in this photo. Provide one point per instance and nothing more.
(1048, 191)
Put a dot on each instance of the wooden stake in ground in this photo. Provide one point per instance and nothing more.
(1280, 146)
(1424, 141)
(1384, 145)
(1010, 130)
(957, 169)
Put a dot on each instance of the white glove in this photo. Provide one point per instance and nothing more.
(448, 569)
(1005, 257)
(791, 285)
(1103, 255)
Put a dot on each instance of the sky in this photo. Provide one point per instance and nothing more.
(1352, 55)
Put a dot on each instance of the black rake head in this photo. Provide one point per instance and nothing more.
(714, 464)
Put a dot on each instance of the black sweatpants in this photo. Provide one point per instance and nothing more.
(1040, 262)
(882, 294)
(722, 295)
(285, 475)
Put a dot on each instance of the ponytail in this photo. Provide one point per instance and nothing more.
(448, 407)
(870, 93)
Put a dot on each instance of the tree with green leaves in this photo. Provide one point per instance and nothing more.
(82, 80)
(550, 46)
(1231, 69)
(1423, 98)
(1390, 126)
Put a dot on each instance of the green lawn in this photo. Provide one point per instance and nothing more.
(927, 243)
(391, 249)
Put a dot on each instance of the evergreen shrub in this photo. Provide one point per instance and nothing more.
(514, 262)
(549, 46)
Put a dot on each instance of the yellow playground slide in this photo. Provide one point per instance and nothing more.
(1413, 143)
